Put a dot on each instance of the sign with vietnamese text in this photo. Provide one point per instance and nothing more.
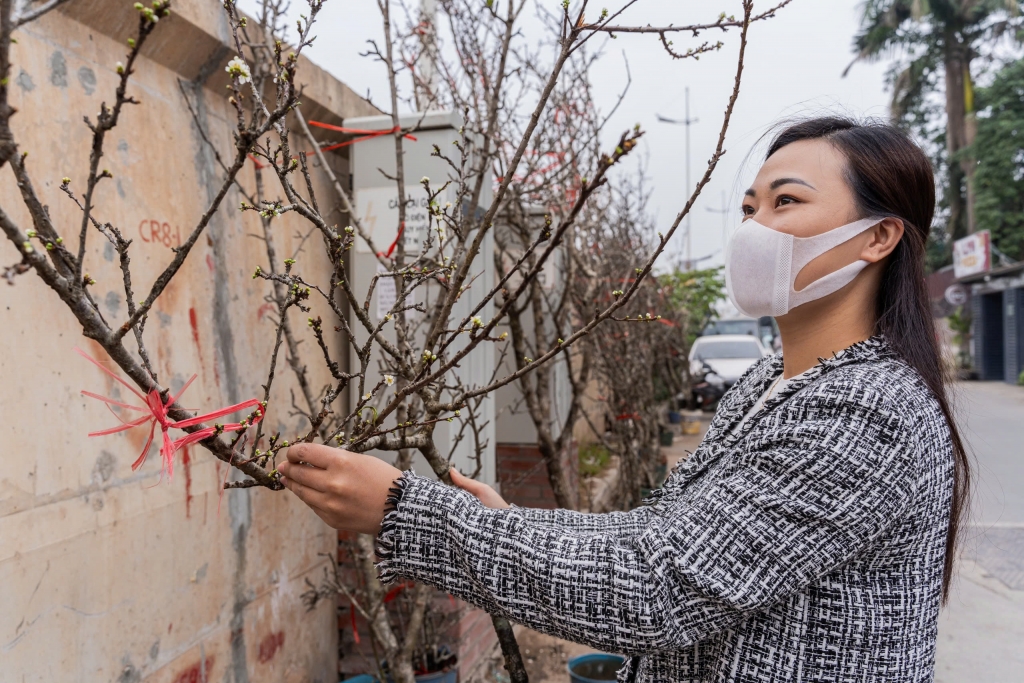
(972, 255)
(378, 210)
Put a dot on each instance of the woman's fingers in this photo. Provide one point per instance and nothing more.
(484, 493)
(311, 497)
(464, 482)
(315, 454)
(312, 477)
(347, 490)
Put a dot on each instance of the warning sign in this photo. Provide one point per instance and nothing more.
(378, 210)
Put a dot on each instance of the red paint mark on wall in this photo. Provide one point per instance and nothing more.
(157, 232)
(264, 309)
(186, 461)
(209, 263)
(194, 324)
(269, 646)
(197, 673)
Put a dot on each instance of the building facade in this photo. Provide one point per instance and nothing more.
(110, 574)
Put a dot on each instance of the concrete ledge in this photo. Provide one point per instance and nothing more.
(195, 43)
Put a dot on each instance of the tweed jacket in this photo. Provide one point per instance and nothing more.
(807, 545)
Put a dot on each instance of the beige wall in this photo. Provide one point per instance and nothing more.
(106, 574)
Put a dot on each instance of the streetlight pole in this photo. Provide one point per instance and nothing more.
(725, 217)
(428, 58)
(686, 121)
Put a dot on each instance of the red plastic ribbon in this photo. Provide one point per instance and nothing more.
(367, 134)
(156, 414)
(355, 629)
(391, 249)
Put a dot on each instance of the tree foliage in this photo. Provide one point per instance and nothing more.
(999, 150)
(692, 296)
(935, 45)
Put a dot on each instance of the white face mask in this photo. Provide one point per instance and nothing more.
(761, 266)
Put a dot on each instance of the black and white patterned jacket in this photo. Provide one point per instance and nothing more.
(807, 546)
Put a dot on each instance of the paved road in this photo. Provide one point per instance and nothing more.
(981, 630)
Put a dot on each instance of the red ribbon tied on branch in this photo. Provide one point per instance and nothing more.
(156, 414)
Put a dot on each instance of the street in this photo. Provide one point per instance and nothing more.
(981, 630)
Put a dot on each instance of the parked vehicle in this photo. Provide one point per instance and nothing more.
(717, 361)
(764, 329)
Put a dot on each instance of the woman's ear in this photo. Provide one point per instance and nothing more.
(883, 239)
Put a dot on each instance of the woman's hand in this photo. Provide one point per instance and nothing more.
(346, 490)
(484, 493)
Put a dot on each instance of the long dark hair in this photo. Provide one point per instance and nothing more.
(891, 176)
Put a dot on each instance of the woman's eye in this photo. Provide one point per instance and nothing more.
(785, 199)
(747, 210)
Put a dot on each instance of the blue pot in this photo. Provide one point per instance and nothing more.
(595, 668)
(449, 676)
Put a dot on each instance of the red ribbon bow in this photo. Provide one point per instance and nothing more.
(156, 413)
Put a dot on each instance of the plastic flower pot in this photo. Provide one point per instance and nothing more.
(691, 427)
(674, 417)
(361, 678)
(595, 668)
(667, 438)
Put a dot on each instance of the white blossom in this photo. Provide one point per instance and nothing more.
(477, 321)
(389, 380)
(368, 395)
(240, 70)
(424, 179)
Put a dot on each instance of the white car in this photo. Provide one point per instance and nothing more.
(726, 356)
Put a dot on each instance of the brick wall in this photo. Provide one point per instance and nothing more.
(524, 477)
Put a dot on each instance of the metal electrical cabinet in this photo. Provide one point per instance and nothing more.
(375, 195)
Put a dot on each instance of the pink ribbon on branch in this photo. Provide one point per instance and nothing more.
(156, 413)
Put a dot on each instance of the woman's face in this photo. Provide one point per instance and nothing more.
(802, 190)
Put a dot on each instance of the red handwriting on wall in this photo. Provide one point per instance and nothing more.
(269, 646)
(197, 673)
(153, 231)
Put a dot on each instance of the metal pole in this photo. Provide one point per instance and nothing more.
(428, 58)
(725, 217)
(687, 121)
(689, 215)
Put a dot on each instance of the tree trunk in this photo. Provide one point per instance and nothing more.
(551, 453)
(959, 134)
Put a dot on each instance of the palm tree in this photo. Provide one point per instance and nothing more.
(935, 43)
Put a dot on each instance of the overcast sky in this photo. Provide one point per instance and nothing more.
(794, 68)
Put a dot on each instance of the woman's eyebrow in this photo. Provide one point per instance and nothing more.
(779, 182)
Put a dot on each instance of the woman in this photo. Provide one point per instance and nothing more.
(811, 536)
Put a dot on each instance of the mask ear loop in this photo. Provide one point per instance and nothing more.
(807, 249)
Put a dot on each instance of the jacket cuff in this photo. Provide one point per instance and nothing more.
(404, 522)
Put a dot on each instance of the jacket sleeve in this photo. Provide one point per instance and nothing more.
(801, 500)
(616, 524)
